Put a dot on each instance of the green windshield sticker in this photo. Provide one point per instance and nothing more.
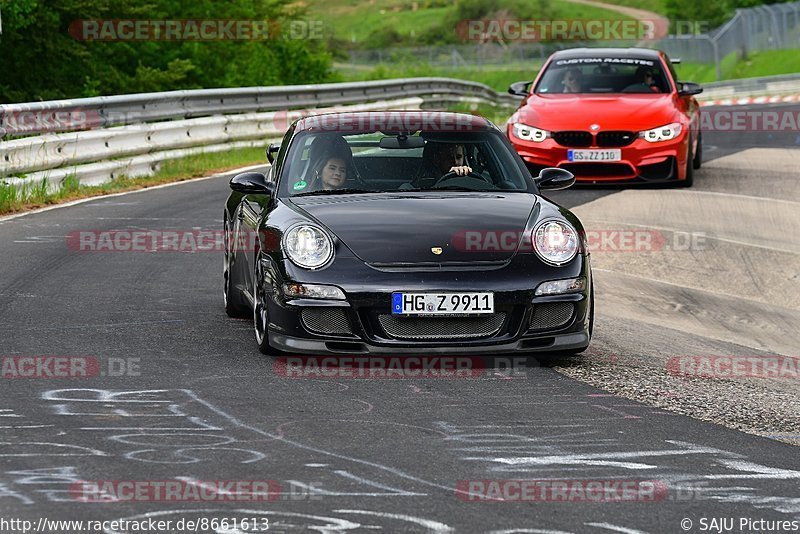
(299, 185)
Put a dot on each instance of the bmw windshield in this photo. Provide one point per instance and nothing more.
(604, 75)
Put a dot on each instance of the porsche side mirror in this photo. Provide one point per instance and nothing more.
(252, 183)
(272, 151)
(689, 88)
(519, 88)
(553, 179)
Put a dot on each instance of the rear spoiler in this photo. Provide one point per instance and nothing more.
(675, 61)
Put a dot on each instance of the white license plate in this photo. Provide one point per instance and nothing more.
(594, 155)
(442, 303)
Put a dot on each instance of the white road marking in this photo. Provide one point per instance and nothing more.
(736, 195)
(615, 528)
(433, 526)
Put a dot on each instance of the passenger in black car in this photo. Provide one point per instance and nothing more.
(330, 172)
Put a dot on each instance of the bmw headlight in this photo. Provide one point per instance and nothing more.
(555, 241)
(308, 246)
(662, 133)
(529, 133)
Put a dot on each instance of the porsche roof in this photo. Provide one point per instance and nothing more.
(386, 121)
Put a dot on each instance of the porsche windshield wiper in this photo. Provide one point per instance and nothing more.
(345, 191)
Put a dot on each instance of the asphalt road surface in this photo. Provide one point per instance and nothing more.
(182, 394)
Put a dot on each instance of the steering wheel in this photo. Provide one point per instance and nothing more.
(451, 175)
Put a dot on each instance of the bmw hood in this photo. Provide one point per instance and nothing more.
(427, 227)
(610, 112)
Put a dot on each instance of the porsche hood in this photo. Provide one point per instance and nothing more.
(424, 228)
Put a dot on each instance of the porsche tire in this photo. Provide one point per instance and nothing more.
(261, 314)
(234, 304)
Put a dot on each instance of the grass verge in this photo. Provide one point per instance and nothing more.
(497, 114)
(387, 23)
(13, 199)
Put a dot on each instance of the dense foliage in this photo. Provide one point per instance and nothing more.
(41, 60)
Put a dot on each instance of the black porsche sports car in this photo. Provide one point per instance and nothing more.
(405, 232)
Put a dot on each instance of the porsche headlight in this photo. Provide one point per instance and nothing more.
(529, 133)
(308, 246)
(662, 133)
(555, 241)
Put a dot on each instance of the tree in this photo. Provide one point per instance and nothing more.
(41, 58)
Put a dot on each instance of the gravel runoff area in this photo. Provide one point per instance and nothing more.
(722, 292)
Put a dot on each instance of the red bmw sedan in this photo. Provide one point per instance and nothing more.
(609, 115)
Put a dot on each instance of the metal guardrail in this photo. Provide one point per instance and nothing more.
(133, 134)
(107, 111)
(766, 85)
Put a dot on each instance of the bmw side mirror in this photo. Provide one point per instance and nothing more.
(272, 151)
(553, 179)
(689, 88)
(252, 183)
(519, 88)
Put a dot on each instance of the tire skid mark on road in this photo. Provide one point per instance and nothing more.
(722, 317)
(744, 219)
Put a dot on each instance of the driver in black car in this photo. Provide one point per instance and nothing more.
(448, 158)
(439, 159)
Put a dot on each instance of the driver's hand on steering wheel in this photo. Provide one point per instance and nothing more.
(462, 170)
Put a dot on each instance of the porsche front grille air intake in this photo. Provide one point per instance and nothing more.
(442, 327)
(551, 315)
(326, 320)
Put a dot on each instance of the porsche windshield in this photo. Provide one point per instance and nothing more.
(334, 163)
(604, 75)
